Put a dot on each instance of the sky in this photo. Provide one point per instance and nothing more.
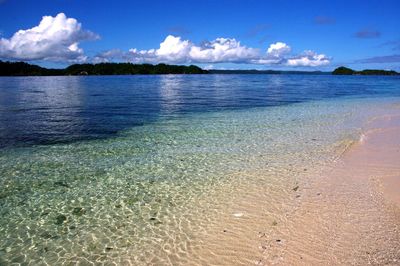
(235, 34)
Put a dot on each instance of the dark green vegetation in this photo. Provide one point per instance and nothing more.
(343, 71)
(25, 69)
(348, 71)
(130, 69)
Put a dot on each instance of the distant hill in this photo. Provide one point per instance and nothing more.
(348, 71)
(254, 71)
(25, 69)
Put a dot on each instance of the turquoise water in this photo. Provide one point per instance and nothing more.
(49, 110)
(144, 194)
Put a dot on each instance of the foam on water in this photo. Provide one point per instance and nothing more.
(146, 195)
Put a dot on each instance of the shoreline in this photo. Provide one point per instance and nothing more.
(345, 213)
(379, 154)
(333, 213)
(289, 203)
(350, 214)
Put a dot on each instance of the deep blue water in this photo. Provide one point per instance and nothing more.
(45, 110)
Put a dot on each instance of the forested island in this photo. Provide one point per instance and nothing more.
(348, 71)
(25, 69)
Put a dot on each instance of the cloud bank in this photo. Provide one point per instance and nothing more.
(54, 39)
(57, 39)
(175, 50)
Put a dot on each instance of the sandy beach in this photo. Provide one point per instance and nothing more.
(348, 214)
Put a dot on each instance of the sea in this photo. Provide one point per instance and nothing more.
(139, 170)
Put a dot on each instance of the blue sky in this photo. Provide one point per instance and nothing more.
(312, 35)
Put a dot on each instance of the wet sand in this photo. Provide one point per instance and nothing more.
(379, 153)
(349, 215)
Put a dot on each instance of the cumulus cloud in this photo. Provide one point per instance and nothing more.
(54, 39)
(309, 58)
(278, 49)
(223, 50)
(280, 53)
(175, 50)
(58, 38)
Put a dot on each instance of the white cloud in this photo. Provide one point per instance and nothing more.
(278, 49)
(310, 59)
(175, 50)
(275, 55)
(222, 50)
(57, 39)
(54, 39)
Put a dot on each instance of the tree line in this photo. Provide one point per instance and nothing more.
(25, 69)
(348, 71)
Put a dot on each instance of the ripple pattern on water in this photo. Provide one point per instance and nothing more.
(144, 196)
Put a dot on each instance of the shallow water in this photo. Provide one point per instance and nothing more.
(150, 193)
(48, 110)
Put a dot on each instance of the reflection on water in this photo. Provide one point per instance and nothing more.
(43, 110)
(171, 88)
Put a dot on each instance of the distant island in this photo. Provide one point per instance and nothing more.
(348, 71)
(255, 71)
(25, 69)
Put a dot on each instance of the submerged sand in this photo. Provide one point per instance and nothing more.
(286, 186)
(348, 214)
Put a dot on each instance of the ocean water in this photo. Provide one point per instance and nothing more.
(138, 169)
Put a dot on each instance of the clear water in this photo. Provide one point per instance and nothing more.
(46, 110)
(134, 169)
